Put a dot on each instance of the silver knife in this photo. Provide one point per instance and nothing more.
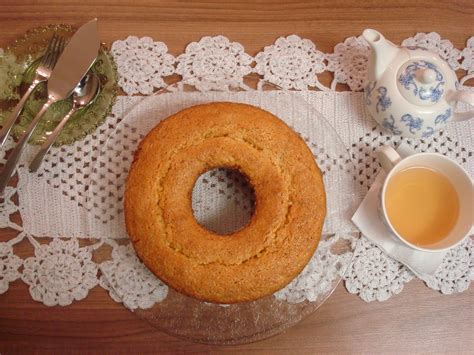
(75, 61)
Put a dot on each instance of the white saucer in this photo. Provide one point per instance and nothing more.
(369, 222)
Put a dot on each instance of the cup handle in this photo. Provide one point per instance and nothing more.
(388, 157)
(453, 97)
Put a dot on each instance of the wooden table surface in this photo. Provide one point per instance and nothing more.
(417, 320)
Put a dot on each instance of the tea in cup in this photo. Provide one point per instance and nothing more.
(426, 199)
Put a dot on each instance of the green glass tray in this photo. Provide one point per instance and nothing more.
(17, 65)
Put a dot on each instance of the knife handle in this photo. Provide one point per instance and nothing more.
(14, 157)
(8, 124)
(38, 159)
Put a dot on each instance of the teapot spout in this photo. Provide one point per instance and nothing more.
(381, 55)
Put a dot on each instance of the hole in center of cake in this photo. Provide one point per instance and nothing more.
(223, 200)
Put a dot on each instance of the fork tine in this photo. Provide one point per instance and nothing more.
(50, 52)
(57, 52)
(46, 59)
(48, 49)
(63, 44)
(54, 52)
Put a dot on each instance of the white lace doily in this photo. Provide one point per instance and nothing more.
(63, 270)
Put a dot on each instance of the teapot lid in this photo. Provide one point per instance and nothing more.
(421, 82)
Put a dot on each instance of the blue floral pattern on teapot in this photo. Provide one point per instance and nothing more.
(413, 123)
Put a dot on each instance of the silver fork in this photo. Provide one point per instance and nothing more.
(42, 74)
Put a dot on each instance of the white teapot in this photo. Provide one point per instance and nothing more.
(411, 91)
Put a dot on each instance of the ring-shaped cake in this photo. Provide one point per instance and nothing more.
(290, 203)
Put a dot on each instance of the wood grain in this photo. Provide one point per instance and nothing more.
(417, 320)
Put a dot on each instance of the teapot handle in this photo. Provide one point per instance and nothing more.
(461, 96)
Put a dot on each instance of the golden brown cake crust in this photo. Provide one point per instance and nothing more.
(254, 261)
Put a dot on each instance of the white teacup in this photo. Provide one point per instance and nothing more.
(393, 163)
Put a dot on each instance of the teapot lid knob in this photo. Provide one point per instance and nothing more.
(426, 75)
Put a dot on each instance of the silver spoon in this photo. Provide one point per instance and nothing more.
(83, 95)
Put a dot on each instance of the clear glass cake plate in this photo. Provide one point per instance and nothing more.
(222, 201)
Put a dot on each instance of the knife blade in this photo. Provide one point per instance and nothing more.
(74, 62)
